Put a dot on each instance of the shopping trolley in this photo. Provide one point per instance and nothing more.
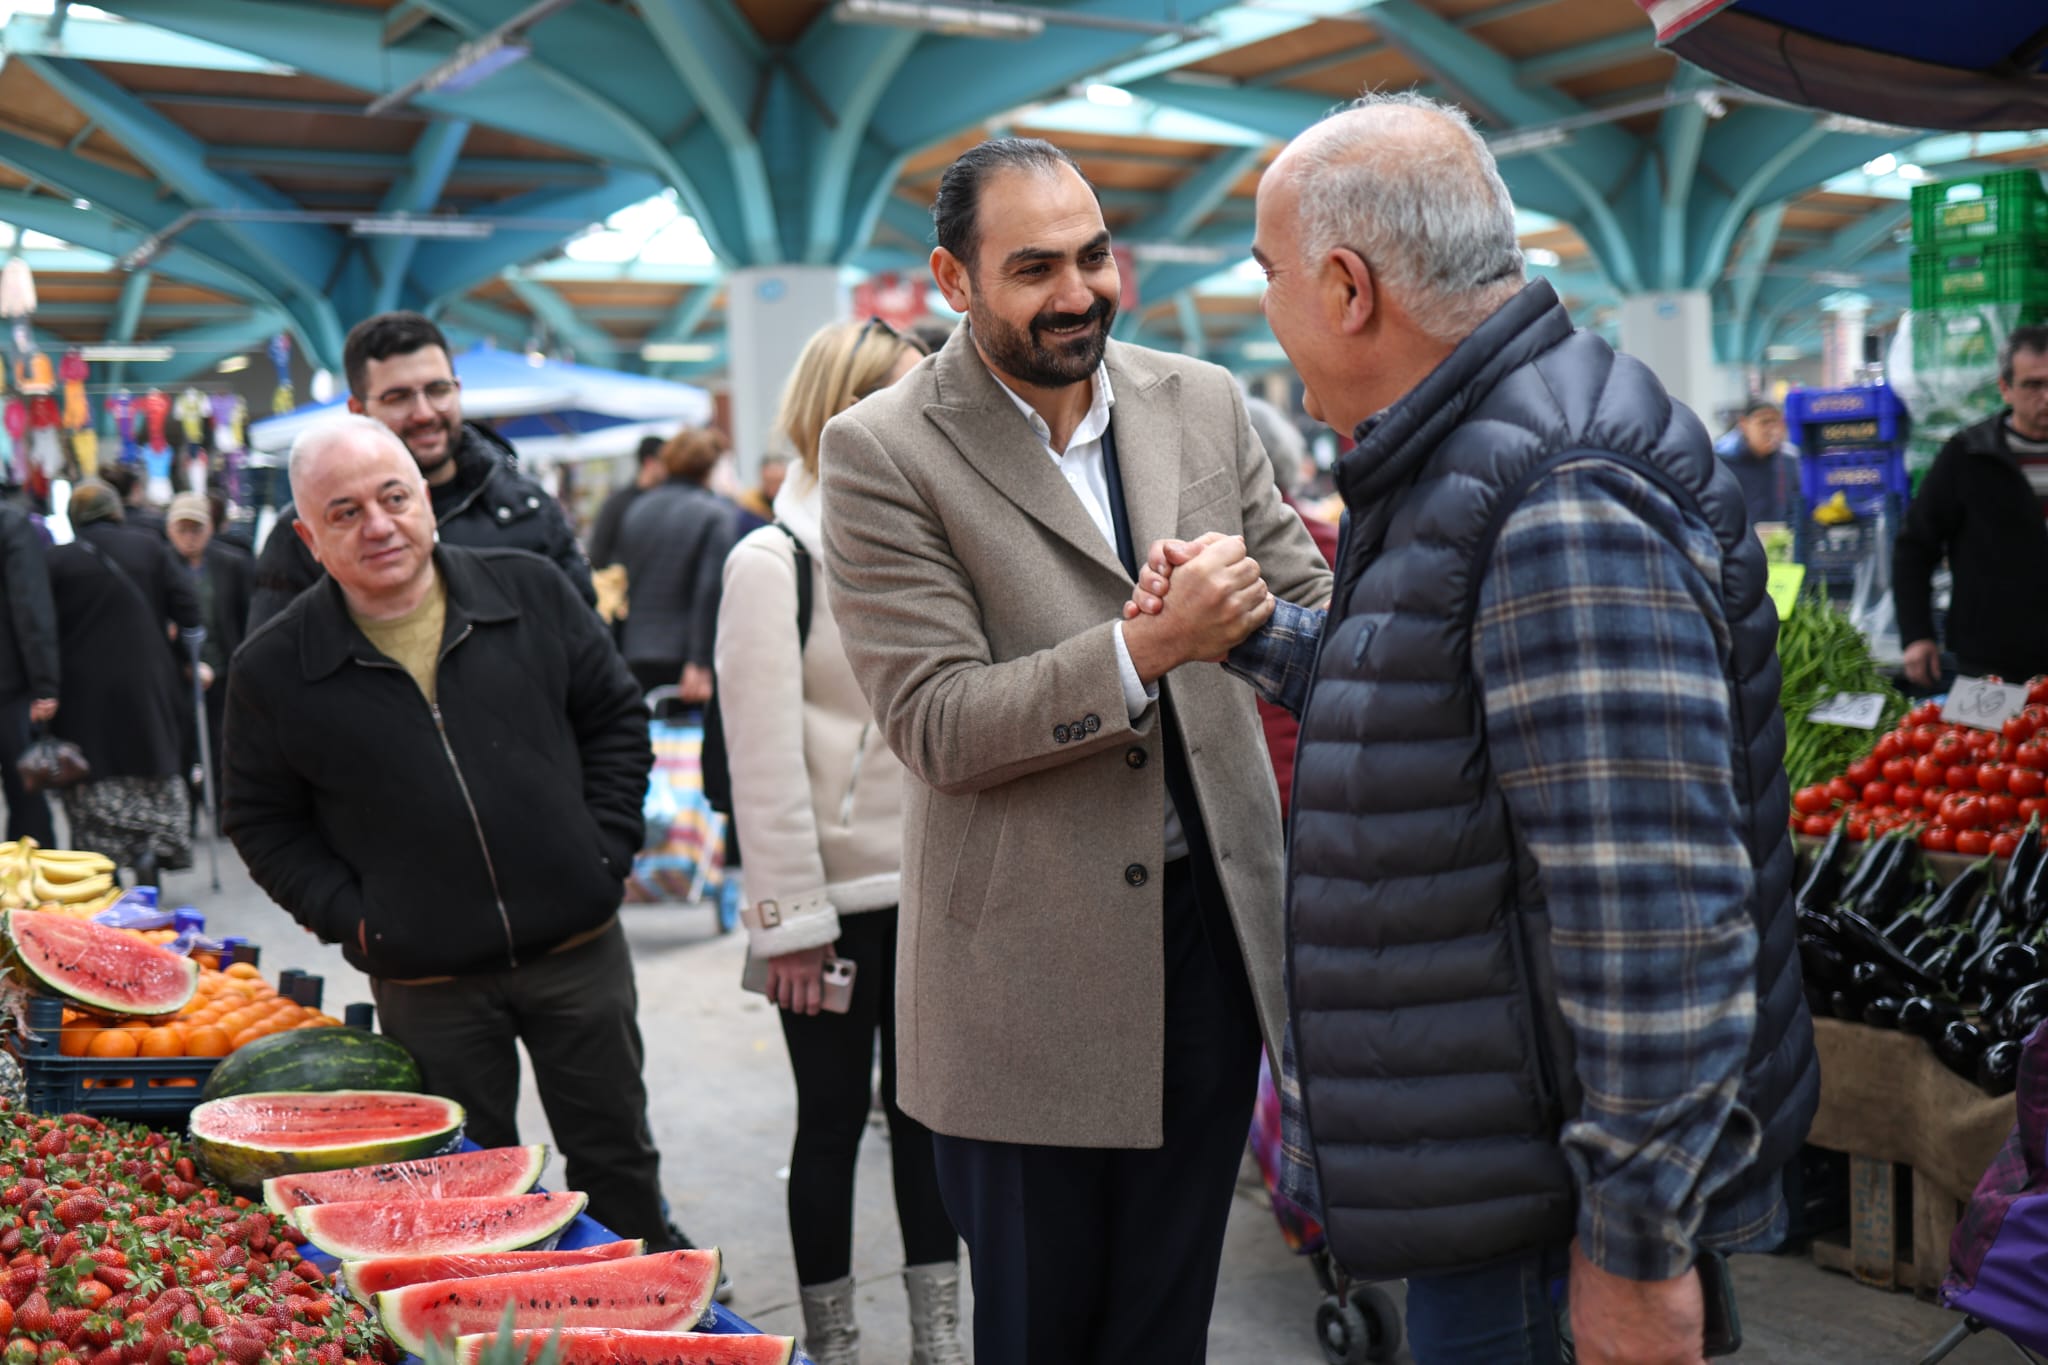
(682, 860)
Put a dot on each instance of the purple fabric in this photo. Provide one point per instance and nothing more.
(1998, 1258)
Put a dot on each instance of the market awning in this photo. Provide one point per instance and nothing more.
(1976, 66)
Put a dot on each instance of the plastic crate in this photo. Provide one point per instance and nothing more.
(1871, 480)
(2004, 206)
(106, 1087)
(1965, 340)
(2000, 272)
(1845, 419)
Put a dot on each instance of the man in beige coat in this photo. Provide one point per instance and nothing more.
(1090, 941)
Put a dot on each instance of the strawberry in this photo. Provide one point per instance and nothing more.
(34, 1317)
(67, 1323)
(53, 1142)
(80, 1208)
(242, 1350)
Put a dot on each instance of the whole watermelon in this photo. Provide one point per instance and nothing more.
(314, 1059)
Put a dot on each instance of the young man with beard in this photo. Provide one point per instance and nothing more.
(1090, 938)
(399, 373)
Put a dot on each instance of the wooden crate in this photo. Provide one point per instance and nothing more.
(1900, 1222)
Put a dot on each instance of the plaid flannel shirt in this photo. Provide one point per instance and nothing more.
(1598, 652)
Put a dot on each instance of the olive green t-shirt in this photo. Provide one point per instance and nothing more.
(413, 641)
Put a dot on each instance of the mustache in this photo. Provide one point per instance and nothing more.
(1096, 312)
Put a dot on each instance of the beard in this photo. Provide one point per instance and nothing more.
(1031, 355)
(451, 441)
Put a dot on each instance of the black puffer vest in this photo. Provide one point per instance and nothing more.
(1435, 1066)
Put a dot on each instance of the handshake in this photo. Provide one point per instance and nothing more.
(1194, 600)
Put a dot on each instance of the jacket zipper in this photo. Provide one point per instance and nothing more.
(462, 784)
(860, 755)
(1539, 1036)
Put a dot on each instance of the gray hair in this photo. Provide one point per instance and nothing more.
(323, 435)
(1284, 443)
(1430, 215)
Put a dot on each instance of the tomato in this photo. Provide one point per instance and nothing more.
(1889, 746)
(1818, 825)
(2017, 730)
(1896, 770)
(1931, 798)
(2005, 845)
(1977, 741)
(1925, 737)
(2004, 809)
(1972, 843)
(1812, 800)
(2036, 716)
(1928, 771)
(1906, 796)
(1863, 771)
(2031, 755)
(1951, 747)
(1961, 776)
(1859, 827)
(1964, 810)
(1991, 777)
(2025, 781)
(1926, 713)
(1938, 839)
(2031, 806)
(1841, 789)
(1876, 794)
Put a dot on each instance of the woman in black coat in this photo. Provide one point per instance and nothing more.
(121, 600)
(673, 542)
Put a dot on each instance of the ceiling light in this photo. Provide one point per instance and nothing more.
(960, 20)
(1784, 353)
(1109, 96)
(1534, 140)
(1183, 253)
(1542, 256)
(486, 62)
(234, 364)
(474, 61)
(1881, 165)
(682, 351)
(1711, 104)
(121, 350)
(420, 225)
(1848, 123)
(81, 204)
(1914, 175)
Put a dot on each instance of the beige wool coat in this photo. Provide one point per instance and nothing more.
(976, 600)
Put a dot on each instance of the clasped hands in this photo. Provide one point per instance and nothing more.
(1217, 600)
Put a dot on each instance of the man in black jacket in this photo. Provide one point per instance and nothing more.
(28, 666)
(436, 759)
(1980, 507)
(399, 373)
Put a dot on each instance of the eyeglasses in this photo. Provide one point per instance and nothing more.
(867, 329)
(438, 395)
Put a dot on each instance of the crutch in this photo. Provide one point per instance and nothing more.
(206, 764)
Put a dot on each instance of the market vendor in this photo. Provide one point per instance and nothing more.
(436, 760)
(1980, 507)
(1764, 463)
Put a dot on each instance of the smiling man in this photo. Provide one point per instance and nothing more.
(399, 372)
(1090, 935)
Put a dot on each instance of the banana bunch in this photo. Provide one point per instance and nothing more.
(32, 876)
(1835, 511)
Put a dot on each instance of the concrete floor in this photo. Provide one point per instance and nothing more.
(723, 1107)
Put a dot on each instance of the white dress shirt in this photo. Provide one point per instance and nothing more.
(1081, 465)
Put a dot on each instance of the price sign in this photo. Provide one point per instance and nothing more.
(1983, 705)
(1850, 710)
(1783, 584)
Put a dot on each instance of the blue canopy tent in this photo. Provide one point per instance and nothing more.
(550, 410)
(1967, 65)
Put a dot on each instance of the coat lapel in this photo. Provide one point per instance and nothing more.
(1147, 423)
(993, 438)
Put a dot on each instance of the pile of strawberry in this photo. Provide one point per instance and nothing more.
(115, 1253)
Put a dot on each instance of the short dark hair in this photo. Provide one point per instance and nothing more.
(1761, 406)
(650, 448)
(959, 196)
(2032, 337)
(384, 336)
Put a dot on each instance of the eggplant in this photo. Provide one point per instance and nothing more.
(1824, 881)
(1843, 1007)
(2010, 966)
(1992, 915)
(2025, 1008)
(1998, 1070)
(2033, 908)
(1956, 899)
(1866, 868)
(1861, 940)
(1945, 963)
(1883, 1012)
(1869, 980)
(1960, 1046)
(1820, 925)
(2018, 868)
(1924, 1017)
(1822, 964)
(1892, 889)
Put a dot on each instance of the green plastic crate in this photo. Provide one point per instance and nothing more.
(1965, 340)
(2004, 206)
(2001, 272)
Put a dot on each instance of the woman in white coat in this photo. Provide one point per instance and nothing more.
(817, 796)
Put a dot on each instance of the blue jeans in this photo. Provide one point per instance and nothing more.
(1500, 1315)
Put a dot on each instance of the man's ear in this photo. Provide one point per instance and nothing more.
(305, 534)
(355, 405)
(950, 273)
(1351, 289)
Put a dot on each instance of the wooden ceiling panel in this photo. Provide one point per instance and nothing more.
(30, 107)
(484, 141)
(1318, 39)
(1654, 70)
(781, 21)
(238, 128)
(1129, 175)
(618, 293)
(1382, 70)
(1533, 33)
(1081, 146)
(69, 288)
(1802, 219)
(178, 80)
(164, 292)
(935, 158)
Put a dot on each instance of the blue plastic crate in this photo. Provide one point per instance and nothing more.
(106, 1087)
(1826, 420)
(1872, 480)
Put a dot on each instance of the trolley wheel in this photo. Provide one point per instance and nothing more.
(1365, 1327)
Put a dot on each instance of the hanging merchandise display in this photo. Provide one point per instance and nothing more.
(122, 406)
(33, 374)
(85, 449)
(17, 287)
(46, 450)
(74, 371)
(156, 411)
(191, 410)
(230, 413)
(281, 400)
(15, 421)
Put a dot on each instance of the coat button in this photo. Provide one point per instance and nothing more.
(504, 514)
(1060, 734)
(532, 501)
(1134, 757)
(1135, 874)
(1091, 723)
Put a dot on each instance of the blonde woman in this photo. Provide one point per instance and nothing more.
(817, 797)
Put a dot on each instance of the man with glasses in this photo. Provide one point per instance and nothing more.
(399, 373)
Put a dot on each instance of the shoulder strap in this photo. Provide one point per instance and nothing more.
(118, 572)
(803, 585)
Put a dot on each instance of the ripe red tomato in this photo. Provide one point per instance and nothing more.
(1820, 825)
(1928, 771)
(2025, 781)
(1859, 826)
(1906, 797)
(2005, 845)
(1877, 794)
(1951, 747)
(1961, 776)
(1964, 810)
(2037, 690)
(2031, 806)
(2036, 716)
(1977, 741)
(1926, 713)
(1841, 789)
(1925, 737)
(1930, 797)
(1863, 770)
(1812, 800)
(2003, 808)
(1938, 839)
(1972, 843)
(2017, 729)
(2031, 755)
(1889, 746)
(1991, 776)
(1896, 770)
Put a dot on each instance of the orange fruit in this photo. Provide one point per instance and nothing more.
(235, 1020)
(246, 970)
(163, 1042)
(76, 1039)
(113, 1042)
(248, 1036)
(208, 1040)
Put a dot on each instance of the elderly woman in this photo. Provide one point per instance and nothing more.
(673, 542)
(121, 602)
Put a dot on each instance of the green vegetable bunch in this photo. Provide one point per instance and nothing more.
(1821, 654)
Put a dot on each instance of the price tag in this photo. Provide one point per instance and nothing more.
(1983, 705)
(1783, 584)
(1850, 710)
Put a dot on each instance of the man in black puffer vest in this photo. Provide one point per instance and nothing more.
(1545, 1005)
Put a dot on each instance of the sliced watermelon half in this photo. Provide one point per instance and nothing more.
(387, 1227)
(611, 1346)
(492, 1173)
(367, 1279)
(244, 1140)
(667, 1292)
(101, 969)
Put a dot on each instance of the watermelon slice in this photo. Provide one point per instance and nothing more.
(667, 1292)
(97, 968)
(610, 1346)
(244, 1140)
(367, 1279)
(423, 1227)
(494, 1173)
